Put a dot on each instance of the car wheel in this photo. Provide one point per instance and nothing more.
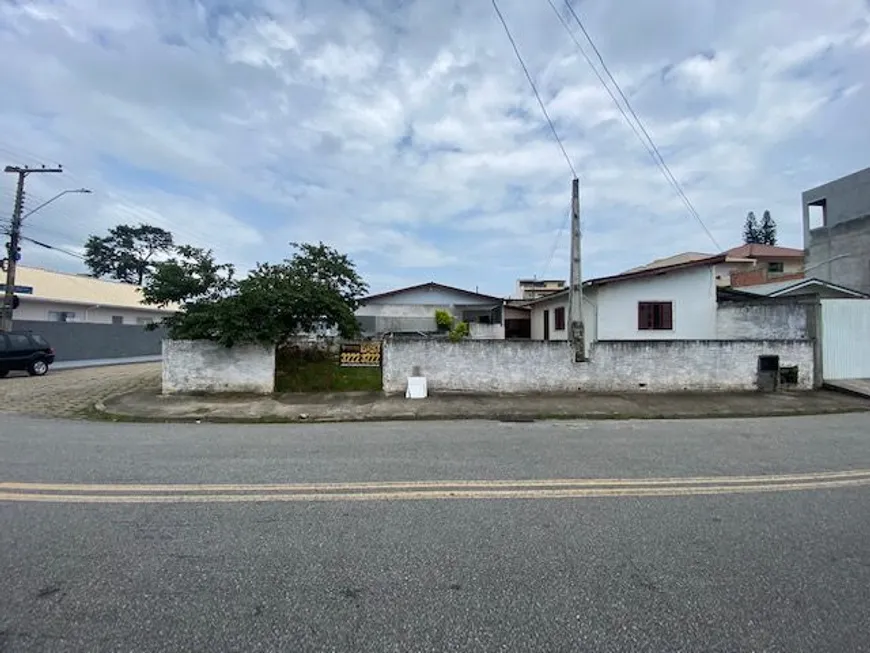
(37, 368)
(4, 373)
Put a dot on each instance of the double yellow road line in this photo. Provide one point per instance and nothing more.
(426, 490)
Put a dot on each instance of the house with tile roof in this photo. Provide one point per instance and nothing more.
(674, 298)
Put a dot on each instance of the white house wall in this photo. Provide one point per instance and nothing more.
(38, 310)
(399, 310)
(414, 310)
(537, 317)
(692, 292)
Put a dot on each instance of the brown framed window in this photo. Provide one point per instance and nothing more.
(655, 316)
(559, 318)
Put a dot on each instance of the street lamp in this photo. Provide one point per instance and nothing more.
(59, 195)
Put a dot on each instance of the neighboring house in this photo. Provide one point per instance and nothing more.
(669, 299)
(743, 265)
(836, 226)
(48, 296)
(802, 288)
(412, 310)
(537, 288)
(753, 264)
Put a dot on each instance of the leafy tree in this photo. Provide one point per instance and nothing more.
(316, 286)
(128, 252)
(194, 282)
(191, 276)
(767, 230)
(751, 233)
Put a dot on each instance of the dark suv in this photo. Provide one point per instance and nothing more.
(22, 350)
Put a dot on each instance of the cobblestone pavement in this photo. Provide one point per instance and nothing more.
(69, 392)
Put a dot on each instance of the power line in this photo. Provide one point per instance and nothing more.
(534, 88)
(648, 144)
(57, 249)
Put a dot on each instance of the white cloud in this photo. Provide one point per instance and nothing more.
(409, 137)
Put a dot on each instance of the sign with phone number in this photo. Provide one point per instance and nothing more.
(367, 354)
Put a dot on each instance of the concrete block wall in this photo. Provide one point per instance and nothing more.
(840, 253)
(507, 366)
(788, 320)
(204, 366)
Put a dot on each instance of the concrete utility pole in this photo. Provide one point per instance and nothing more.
(575, 304)
(14, 241)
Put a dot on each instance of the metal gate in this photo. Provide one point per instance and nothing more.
(845, 339)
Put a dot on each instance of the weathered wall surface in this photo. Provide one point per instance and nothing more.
(73, 341)
(203, 366)
(787, 320)
(841, 253)
(616, 366)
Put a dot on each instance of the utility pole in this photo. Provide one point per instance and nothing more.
(575, 303)
(14, 241)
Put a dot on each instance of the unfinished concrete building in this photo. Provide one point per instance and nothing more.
(836, 219)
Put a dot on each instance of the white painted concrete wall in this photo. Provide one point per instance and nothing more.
(517, 366)
(204, 366)
(692, 291)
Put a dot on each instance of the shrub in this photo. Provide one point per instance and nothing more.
(443, 319)
(459, 331)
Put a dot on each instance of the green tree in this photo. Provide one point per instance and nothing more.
(199, 286)
(128, 252)
(316, 287)
(191, 276)
(767, 230)
(751, 233)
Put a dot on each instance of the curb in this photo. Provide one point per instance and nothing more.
(517, 418)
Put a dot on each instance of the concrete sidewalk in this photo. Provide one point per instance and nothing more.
(857, 387)
(354, 407)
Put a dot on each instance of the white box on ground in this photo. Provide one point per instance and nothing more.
(417, 388)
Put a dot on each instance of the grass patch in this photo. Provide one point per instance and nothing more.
(315, 372)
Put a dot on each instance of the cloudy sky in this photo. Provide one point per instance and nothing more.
(404, 132)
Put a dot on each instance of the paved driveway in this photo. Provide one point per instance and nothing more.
(68, 392)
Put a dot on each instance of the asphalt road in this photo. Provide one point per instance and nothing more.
(156, 545)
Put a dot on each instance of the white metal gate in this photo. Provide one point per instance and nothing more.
(845, 339)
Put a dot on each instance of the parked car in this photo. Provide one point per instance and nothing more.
(25, 351)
